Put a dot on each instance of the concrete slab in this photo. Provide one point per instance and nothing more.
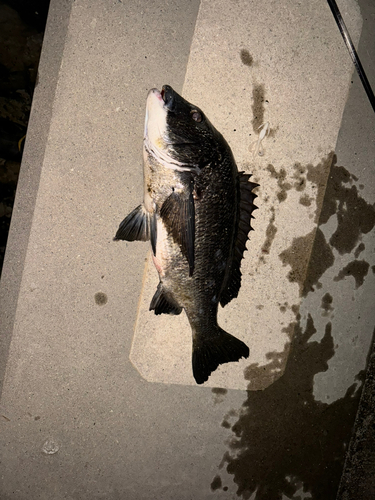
(28, 183)
(299, 84)
(77, 419)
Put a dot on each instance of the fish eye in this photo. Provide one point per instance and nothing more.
(196, 116)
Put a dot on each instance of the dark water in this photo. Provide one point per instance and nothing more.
(22, 25)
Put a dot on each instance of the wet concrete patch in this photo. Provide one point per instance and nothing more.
(258, 106)
(305, 200)
(280, 176)
(357, 268)
(101, 298)
(297, 256)
(327, 304)
(359, 250)
(219, 394)
(300, 179)
(246, 58)
(264, 376)
(216, 483)
(316, 175)
(270, 236)
(265, 452)
(354, 215)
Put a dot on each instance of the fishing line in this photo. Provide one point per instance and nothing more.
(353, 53)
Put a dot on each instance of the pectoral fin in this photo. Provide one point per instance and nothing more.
(178, 214)
(139, 225)
(135, 226)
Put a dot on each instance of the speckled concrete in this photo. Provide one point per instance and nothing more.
(78, 421)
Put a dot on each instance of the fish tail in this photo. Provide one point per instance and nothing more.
(210, 352)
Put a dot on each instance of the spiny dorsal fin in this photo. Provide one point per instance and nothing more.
(232, 286)
(163, 304)
(178, 214)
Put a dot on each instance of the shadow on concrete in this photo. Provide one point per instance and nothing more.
(284, 439)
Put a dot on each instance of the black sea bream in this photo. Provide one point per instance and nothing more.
(196, 212)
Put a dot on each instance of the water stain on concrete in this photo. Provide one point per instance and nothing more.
(219, 390)
(219, 394)
(317, 176)
(280, 176)
(216, 483)
(359, 249)
(263, 376)
(354, 215)
(232, 414)
(258, 106)
(283, 307)
(265, 455)
(270, 236)
(314, 174)
(327, 304)
(306, 268)
(305, 200)
(357, 268)
(300, 179)
(101, 298)
(246, 57)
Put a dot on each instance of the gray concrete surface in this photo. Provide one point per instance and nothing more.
(77, 419)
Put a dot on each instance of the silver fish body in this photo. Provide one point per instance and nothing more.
(196, 212)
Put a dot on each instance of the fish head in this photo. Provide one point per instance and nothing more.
(179, 131)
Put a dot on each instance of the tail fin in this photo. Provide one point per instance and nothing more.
(209, 353)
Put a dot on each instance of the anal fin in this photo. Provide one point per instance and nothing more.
(162, 303)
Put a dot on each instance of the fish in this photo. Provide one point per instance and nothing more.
(196, 212)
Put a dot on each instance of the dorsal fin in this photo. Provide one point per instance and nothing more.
(232, 284)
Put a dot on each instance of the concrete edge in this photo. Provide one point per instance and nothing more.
(31, 167)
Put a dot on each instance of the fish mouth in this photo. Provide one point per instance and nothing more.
(159, 104)
(168, 96)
